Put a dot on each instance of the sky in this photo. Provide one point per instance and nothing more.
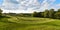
(28, 6)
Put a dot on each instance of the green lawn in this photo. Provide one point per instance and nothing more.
(29, 23)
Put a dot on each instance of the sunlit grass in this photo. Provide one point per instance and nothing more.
(29, 23)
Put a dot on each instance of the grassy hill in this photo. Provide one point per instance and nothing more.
(29, 23)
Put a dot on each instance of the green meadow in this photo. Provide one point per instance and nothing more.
(29, 23)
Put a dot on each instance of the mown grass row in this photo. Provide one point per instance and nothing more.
(26, 23)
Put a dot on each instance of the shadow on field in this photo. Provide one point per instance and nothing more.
(4, 17)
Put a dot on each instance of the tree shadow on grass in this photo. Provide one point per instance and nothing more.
(4, 17)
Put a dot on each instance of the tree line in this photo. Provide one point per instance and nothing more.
(45, 14)
(0, 12)
(48, 14)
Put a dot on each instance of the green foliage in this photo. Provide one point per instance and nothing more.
(57, 15)
(0, 12)
(25, 15)
(46, 13)
(58, 10)
(51, 13)
(34, 14)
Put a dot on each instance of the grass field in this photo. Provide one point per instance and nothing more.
(29, 23)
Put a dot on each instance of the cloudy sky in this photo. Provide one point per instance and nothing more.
(28, 6)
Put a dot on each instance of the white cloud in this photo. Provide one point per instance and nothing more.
(26, 5)
(58, 5)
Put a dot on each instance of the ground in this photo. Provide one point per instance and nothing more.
(29, 23)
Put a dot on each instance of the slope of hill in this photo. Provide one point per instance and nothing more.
(29, 23)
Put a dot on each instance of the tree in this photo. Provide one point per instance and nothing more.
(46, 13)
(40, 14)
(0, 12)
(34, 14)
(51, 13)
(57, 15)
(58, 10)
